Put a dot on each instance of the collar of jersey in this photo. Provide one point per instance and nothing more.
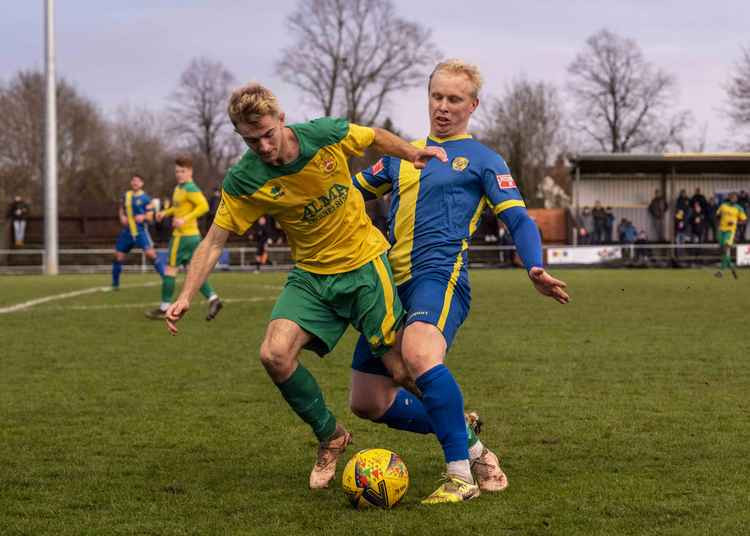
(450, 138)
(137, 192)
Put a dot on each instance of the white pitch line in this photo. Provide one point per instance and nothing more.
(31, 303)
(137, 305)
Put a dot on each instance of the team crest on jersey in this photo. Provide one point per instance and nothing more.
(276, 191)
(327, 162)
(506, 182)
(459, 163)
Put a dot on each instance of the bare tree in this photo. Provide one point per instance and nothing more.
(524, 126)
(83, 143)
(622, 102)
(139, 138)
(350, 56)
(198, 113)
(738, 91)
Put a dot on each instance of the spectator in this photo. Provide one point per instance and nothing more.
(743, 200)
(657, 209)
(711, 220)
(489, 226)
(163, 228)
(621, 229)
(261, 234)
(504, 239)
(681, 232)
(599, 216)
(609, 226)
(699, 198)
(18, 213)
(642, 253)
(682, 203)
(697, 223)
(584, 227)
(628, 232)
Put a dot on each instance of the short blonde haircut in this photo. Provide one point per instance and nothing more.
(251, 102)
(456, 66)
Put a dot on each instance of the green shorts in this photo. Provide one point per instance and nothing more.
(325, 305)
(181, 249)
(726, 238)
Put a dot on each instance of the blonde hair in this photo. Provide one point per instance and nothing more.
(251, 102)
(456, 66)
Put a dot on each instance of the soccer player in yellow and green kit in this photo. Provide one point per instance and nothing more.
(188, 204)
(729, 214)
(299, 175)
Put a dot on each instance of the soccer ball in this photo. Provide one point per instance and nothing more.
(375, 477)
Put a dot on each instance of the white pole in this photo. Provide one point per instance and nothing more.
(50, 145)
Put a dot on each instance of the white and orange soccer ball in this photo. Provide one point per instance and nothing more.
(375, 477)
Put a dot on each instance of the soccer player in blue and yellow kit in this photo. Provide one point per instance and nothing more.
(433, 214)
(135, 212)
(300, 176)
(729, 213)
(188, 204)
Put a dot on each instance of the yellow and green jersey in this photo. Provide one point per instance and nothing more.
(312, 198)
(188, 204)
(729, 215)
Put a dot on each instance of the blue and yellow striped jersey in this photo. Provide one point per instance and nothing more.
(434, 211)
(136, 203)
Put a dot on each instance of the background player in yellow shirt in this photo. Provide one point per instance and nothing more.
(299, 175)
(729, 213)
(188, 204)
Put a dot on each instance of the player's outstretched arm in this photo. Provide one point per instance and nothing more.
(390, 144)
(529, 247)
(203, 262)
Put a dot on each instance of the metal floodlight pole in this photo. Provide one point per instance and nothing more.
(50, 147)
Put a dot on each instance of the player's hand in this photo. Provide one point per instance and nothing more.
(174, 312)
(177, 222)
(548, 285)
(159, 216)
(124, 220)
(423, 156)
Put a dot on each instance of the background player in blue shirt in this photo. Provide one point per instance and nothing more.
(433, 214)
(134, 212)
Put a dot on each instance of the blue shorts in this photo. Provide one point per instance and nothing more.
(432, 298)
(126, 242)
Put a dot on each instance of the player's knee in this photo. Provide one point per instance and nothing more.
(366, 409)
(275, 357)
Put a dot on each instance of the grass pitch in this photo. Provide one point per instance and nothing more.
(624, 412)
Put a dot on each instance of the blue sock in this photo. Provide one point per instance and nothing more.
(116, 270)
(407, 413)
(442, 399)
(159, 266)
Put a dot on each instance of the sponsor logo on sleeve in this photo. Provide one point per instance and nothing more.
(506, 182)
(378, 167)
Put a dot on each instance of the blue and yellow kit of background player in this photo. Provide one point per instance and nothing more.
(134, 234)
(433, 214)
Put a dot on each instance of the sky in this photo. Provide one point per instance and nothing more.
(131, 52)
